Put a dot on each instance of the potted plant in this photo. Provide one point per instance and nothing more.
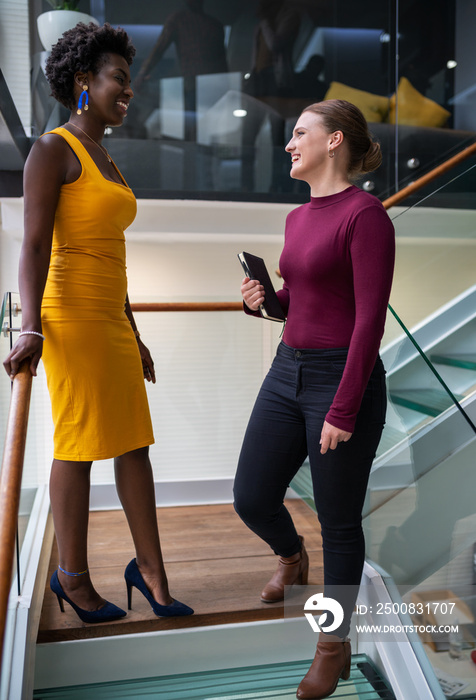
(62, 17)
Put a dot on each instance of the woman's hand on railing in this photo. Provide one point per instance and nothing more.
(253, 293)
(28, 346)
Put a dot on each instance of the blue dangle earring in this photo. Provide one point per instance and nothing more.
(83, 97)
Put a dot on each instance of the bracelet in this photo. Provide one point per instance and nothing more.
(32, 333)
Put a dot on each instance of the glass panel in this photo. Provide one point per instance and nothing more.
(420, 518)
(420, 528)
(29, 485)
(4, 349)
(8, 317)
(435, 110)
(226, 85)
(216, 131)
(420, 513)
(216, 111)
(11, 324)
(251, 683)
(3, 309)
(434, 290)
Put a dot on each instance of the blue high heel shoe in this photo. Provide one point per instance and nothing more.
(134, 578)
(108, 612)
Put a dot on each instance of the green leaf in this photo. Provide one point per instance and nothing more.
(64, 4)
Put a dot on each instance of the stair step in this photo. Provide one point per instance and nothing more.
(431, 402)
(465, 361)
(272, 682)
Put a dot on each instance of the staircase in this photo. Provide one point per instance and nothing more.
(272, 681)
(430, 402)
(416, 396)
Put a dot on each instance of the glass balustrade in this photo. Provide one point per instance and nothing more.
(419, 518)
(422, 530)
(216, 126)
(34, 468)
(8, 319)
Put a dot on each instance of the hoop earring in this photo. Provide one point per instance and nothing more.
(331, 153)
(83, 96)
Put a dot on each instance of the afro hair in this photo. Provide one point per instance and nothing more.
(82, 49)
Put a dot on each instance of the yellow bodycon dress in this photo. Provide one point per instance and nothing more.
(91, 357)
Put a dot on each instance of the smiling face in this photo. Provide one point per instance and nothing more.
(109, 90)
(309, 146)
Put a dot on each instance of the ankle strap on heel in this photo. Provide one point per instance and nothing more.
(69, 573)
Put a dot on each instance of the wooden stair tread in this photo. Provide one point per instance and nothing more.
(214, 563)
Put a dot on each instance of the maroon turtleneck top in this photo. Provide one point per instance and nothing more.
(337, 265)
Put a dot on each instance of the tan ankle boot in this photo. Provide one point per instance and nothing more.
(290, 570)
(331, 662)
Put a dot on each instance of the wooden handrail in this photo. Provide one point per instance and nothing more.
(189, 306)
(10, 484)
(429, 177)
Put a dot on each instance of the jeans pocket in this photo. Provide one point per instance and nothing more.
(338, 365)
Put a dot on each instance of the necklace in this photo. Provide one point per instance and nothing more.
(104, 151)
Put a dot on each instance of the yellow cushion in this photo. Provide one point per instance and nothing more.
(414, 108)
(373, 107)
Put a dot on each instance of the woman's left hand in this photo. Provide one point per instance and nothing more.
(147, 362)
(331, 436)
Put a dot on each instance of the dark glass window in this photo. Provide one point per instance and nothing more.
(220, 85)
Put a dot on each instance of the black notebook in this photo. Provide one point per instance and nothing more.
(255, 269)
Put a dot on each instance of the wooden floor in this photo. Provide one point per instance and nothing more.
(214, 564)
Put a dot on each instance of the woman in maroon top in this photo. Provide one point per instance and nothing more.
(324, 396)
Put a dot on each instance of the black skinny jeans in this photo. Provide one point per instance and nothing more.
(285, 427)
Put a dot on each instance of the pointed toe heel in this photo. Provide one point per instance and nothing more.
(133, 577)
(107, 613)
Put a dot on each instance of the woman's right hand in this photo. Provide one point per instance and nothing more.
(253, 293)
(27, 346)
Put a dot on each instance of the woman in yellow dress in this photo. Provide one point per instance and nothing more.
(76, 315)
